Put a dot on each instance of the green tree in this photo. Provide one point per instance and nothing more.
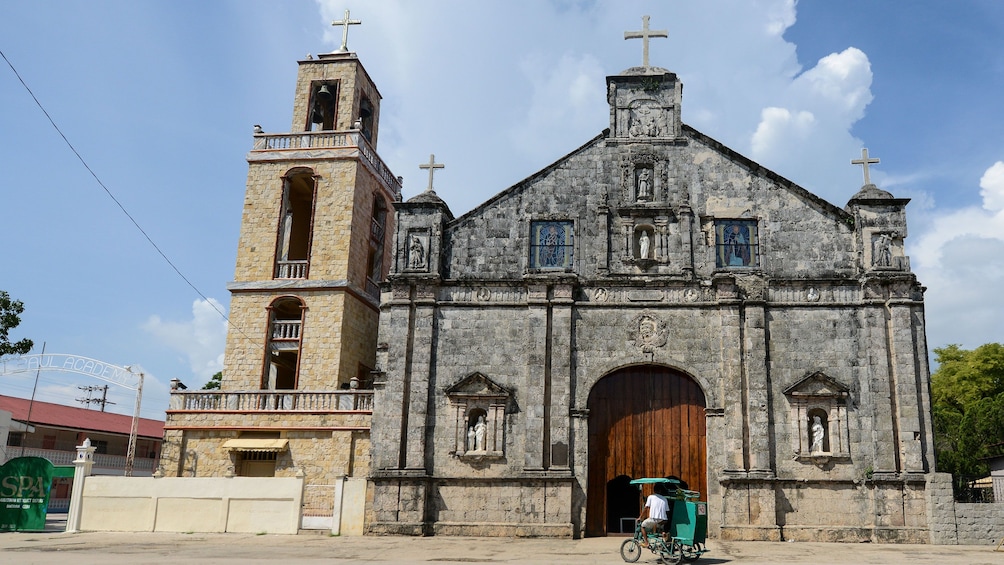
(963, 377)
(214, 382)
(967, 393)
(10, 317)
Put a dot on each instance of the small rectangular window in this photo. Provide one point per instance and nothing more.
(736, 244)
(551, 245)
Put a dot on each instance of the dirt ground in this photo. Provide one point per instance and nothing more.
(51, 548)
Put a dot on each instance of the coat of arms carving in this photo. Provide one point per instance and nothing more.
(650, 333)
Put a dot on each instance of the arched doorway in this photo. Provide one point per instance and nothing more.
(644, 421)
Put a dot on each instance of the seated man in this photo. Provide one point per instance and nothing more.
(656, 506)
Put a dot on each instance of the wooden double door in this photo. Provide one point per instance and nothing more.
(644, 421)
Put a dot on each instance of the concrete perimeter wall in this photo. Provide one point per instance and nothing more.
(192, 504)
(979, 524)
(958, 523)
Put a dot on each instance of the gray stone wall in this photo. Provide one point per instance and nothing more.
(816, 324)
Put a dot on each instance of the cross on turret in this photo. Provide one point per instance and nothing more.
(345, 23)
(864, 161)
(432, 166)
(644, 35)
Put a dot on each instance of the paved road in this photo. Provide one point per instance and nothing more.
(161, 549)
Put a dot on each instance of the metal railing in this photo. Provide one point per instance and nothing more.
(101, 460)
(272, 401)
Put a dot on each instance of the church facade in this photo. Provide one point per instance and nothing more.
(653, 304)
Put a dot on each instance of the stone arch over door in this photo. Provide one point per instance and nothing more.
(644, 421)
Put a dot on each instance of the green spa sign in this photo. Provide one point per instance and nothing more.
(24, 493)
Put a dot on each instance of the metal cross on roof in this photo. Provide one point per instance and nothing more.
(644, 35)
(864, 161)
(432, 166)
(345, 23)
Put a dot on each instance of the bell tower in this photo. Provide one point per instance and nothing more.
(315, 244)
(315, 237)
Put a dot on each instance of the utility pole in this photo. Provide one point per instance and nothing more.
(91, 388)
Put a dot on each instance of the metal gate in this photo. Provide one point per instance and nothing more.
(318, 507)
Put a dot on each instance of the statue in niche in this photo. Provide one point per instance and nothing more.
(479, 434)
(471, 439)
(416, 253)
(817, 435)
(882, 251)
(644, 184)
(643, 245)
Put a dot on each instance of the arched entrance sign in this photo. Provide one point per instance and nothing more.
(128, 377)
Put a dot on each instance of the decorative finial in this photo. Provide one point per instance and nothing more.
(345, 23)
(432, 166)
(864, 161)
(644, 35)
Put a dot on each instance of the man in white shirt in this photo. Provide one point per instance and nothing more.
(657, 506)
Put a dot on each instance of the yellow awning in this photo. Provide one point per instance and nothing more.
(256, 444)
(985, 482)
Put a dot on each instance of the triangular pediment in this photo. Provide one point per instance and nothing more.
(478, 385)
(817, 385)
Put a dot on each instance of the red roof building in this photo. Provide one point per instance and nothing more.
(53, 431)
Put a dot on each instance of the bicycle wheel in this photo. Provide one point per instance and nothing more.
(671, 553)
(691, 554)
(630, 550)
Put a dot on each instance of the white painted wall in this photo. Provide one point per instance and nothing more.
(192, 504)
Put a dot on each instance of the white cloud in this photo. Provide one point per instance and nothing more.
(780, 16)
(808, 136)
(960, 259)
(201, 340)
(992, 185)
(569, 96)
(780, 128)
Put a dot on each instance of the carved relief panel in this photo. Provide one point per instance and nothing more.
(416, 250)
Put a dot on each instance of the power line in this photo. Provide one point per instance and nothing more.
(116, 201)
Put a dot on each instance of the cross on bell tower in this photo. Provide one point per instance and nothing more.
(345, 23)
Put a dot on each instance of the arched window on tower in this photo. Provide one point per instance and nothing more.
(292, 258)
(378, 230)
(323, 106)
(366, 118)
(283, 349)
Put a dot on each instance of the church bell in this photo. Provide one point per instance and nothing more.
(322, 100)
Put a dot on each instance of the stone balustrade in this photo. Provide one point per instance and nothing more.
(328, 140)
(272, 401)
(291, 269)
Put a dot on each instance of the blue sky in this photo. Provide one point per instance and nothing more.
(159, 98)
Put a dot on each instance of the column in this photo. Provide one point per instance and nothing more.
(906, 384)
(419, 376)
(533, 401)
(757, 389)
(560, 377)
(732, 381)
(82, 468)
